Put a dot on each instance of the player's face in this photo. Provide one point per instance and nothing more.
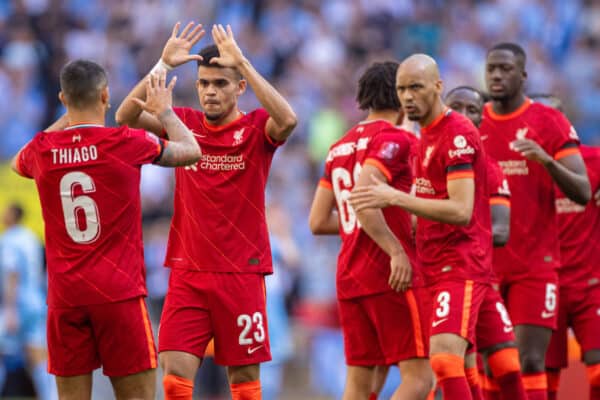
(468, 103)
(504, 75)
(417, 94)
(218, 91)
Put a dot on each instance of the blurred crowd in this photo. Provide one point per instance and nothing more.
(313, 51)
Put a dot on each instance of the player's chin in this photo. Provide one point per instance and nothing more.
(213, 116)
(499, 96)
(413, 116)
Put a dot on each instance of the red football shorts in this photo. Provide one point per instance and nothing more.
(116, 336)
(493, 323)
(230, 307)
(385, 328)
(579, 308)
(532, 300)
(456, 306)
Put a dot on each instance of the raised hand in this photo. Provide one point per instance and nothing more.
(177, 49)
(159, 96)
(229, 51)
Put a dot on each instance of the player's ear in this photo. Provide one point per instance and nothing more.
(105, 97)
(242, 86)
(439, 86)
(61, 97)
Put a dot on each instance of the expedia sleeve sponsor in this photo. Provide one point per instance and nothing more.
(225, 162)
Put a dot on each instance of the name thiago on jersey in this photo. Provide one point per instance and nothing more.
(74, 155)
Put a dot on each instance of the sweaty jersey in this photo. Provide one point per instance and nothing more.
(88, 182)
(363, 267)
(533, 246)
(579, 231)
(219, 220)
(450, 149)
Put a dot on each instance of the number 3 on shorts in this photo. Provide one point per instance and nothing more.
(246, 322)
(443, 299)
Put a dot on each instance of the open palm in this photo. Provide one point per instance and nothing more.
(177, 49)
(230, 54)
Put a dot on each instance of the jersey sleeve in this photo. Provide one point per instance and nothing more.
(141, 147)
(261, 116)
(389, 153)
(559, 135)
(26, 162)
(498, 190)
(459, 155)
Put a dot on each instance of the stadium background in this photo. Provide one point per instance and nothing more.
(313, 52)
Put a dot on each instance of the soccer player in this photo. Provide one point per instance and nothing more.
(24, 309)
(88, 178)
(536, 147)
(453, 229)
(218, 243)
(494, 332)
(381, 325)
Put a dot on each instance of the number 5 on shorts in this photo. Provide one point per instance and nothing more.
(246, 322)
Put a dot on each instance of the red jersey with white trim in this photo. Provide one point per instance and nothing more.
(88, 180)
(450, 148)
(363, 267)
(219, 222)
(533, 244)
(579, 231)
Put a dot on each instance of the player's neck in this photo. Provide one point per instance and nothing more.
(391, 116)
(437, 110)
(229, 118)
(77, 117)
(508, 106)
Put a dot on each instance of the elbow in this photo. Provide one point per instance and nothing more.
(291, 122)
(463, 217)
(120, 118)
(584, 195)
(316, 225)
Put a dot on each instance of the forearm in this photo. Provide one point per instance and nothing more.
(374, 224)
(575, 186)
(129, 111)
(447, 211)
(278, 108)
(183, 149)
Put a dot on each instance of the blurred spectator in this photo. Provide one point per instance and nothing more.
(23, 322)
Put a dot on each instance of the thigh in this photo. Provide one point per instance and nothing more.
(72, 347)
(77, 387)
(399, 320)
(361, 342)
(140, 386)
(494, 326)
(238, 314)
(455, 308)
(533, 301)
(185, 324)
(124, 337)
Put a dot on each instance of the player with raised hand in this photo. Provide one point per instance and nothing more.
(494, 333)
(379, 288)
(453, 229)
(218, 245)
(536, 147)
(88, 177)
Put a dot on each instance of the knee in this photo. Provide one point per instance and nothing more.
(532, 361)
(246, 373)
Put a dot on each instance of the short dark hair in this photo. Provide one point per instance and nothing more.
(513, 48)
(17, 212)
(208, 53)
(81, 82)
(377, 87)
(469, 88)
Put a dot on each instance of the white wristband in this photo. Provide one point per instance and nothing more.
(160, 66)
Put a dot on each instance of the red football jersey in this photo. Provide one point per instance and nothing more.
(579, 230)
(533, 245)
(363, 267)
(450, 148)
(219, 222)
(88, 180)
(498, 189)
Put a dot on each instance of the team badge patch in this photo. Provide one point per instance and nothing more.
(388, 150)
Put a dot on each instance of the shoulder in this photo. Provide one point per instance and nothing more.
(255, 118)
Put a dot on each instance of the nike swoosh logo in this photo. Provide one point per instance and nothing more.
(253, 349)
(547, 315)
(436, 323)
(508, 329)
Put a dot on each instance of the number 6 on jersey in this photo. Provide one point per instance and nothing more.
(72, 205)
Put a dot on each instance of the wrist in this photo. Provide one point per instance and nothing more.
(161, 65)
(166, 113)
(244, 66)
